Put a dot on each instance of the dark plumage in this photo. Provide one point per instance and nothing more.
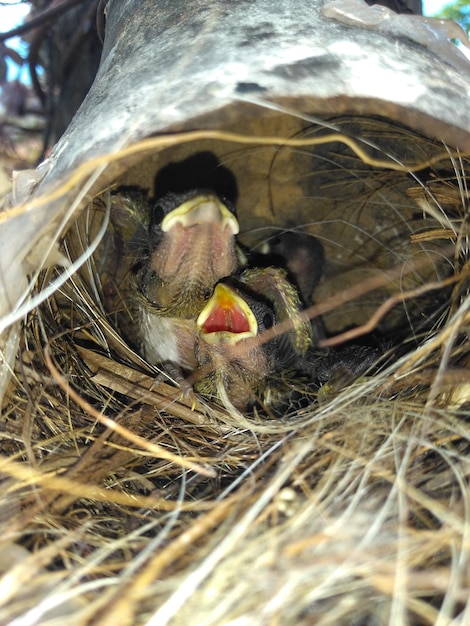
(303, 258)
(341, 366)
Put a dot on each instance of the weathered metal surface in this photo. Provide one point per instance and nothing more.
(174, 66)
(163, 66)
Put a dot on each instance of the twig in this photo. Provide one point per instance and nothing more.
(383, 309)
(150, 447)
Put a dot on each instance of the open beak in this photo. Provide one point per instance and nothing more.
(226, 318)
(204, 208)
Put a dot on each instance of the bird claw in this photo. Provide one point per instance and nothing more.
(187, 393)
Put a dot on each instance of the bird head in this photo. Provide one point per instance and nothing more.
(191, 247)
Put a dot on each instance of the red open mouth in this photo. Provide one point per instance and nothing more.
(227, 312)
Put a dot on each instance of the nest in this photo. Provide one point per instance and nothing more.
(125, 503)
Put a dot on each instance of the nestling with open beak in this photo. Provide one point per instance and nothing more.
(191, 247)
(236, 362)
(233, 360)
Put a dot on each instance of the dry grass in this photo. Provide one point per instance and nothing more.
(123, 504)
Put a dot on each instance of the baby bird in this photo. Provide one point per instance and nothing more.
(191, 247)
(303, 258)
(235, 361)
